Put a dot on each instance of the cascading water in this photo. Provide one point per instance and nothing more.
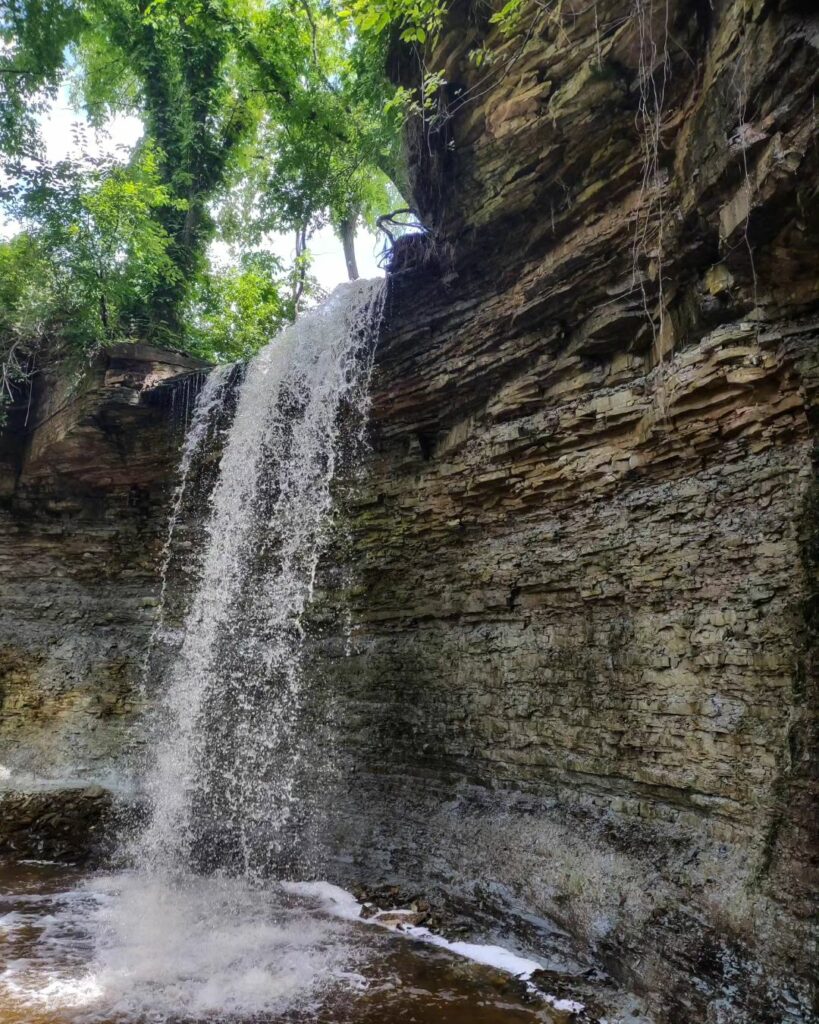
(209, 399)
(195, 928)
(225, 758)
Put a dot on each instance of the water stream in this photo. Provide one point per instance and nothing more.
(228, 755)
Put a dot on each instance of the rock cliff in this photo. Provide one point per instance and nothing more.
(84, 473)
(577, 693)
(582, 682)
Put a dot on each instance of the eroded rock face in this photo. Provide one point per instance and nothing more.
(579, 689)
(582, 677)
(85, 477)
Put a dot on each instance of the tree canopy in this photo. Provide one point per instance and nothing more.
(257, 117)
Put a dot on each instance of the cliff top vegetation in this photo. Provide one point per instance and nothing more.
(257, 118)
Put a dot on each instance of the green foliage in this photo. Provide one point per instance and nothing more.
(301, 175)
(508, 17)
(259, 116)
(184, 76)
(94, 223)
(26, 289)
(236, 311)
(33, 37)
(417, 23)
(416, 20)
(328, 148)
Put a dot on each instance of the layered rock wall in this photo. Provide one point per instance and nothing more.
(582, 680)
(85, 485)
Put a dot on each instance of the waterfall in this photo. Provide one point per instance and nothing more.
(208, 401)
(228, 749)
(214, 920)
(196, 930)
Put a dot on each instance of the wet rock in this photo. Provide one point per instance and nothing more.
(73, 826)
(81, 529)
(399, 918)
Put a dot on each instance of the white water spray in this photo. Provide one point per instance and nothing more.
(227, 747)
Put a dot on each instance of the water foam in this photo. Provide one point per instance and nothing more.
(208, 945)
(130, 947)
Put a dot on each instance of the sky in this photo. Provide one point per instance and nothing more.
(328, 257)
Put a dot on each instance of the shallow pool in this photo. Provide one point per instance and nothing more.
(121, 947)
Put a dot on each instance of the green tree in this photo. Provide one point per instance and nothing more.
(328, 148)
(94, 221)
(236, 311)
(26, 307)
(175, 62)
(271, 113)
(33, 39)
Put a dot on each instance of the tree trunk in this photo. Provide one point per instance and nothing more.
(347, 231)
(301, 269)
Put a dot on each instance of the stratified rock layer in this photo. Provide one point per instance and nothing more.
(581, 682)
(577, 693)
(84, 504)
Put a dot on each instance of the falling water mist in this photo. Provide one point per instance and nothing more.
(229, 751)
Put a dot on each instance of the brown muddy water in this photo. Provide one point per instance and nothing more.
(118, 948)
